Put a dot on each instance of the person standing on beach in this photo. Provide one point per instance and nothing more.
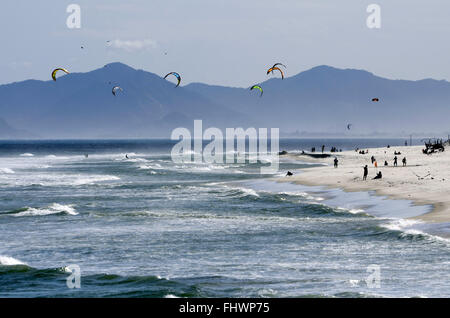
(336, 162)
(395, 161)
(366, 172)
(404, 162)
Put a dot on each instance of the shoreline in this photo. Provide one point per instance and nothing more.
(424, 181)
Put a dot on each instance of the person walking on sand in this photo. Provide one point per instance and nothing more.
(372, 159)
(404, 162)
(336, 162)
(395, 161)
(366, 172)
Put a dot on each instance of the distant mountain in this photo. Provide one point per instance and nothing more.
(8, 132)
(81, 105)
(325, 99)
(322, 100)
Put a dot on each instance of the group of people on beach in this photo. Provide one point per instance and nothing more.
(374, 162)
(333, 149)
(366, 172)
(362, 151)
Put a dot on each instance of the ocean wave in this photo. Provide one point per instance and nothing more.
(410, 229)
(239, 192)
(57, 157)
(352, 211)
(22, 279)
(10, 261)
(94, 179)
(155, 166)
(55, 208)
(53, 180)
(136, 160)
(27, 155)
(247, 192)
(6, 170)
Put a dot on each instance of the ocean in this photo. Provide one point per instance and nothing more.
(144, 226)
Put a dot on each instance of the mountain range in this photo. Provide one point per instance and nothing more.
(320, 101)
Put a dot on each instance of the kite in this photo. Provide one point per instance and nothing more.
(115, 89)
(56, 70)
(375, 99)
(176, 75)
(258, 87)
(276, 64)
(275, 68)
(348, 126)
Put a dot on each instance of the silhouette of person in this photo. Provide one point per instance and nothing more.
(395, 161)
(378, 176)
(366, 172)
(336, 162)
(404, 162)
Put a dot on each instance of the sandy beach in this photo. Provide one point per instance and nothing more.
(425, 179)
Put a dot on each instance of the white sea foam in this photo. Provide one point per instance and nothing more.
(27, 155)
(52, 209)
(94, 179)
(155, 166)
(42, 166)
(137, 160)
(356, 211)
(401, 225)
(6, 170)
(249, 192)
(413, 227)
(49, 180)
(10, 261)
(57, 157)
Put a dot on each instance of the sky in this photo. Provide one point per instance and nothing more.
(225, 42)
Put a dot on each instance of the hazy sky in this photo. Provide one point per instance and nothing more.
(227, 42)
